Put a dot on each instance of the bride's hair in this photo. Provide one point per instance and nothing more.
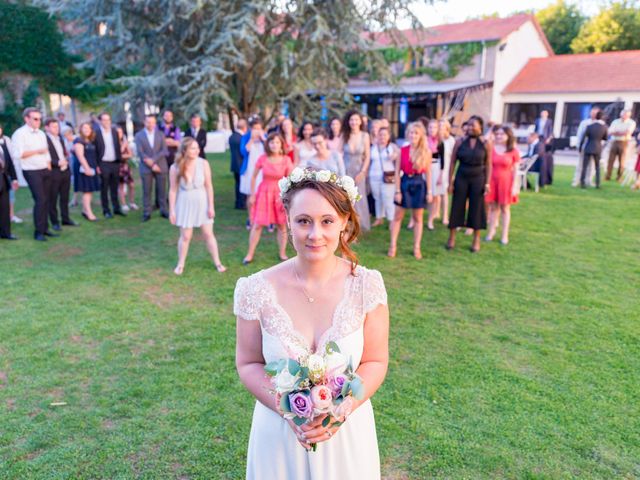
(339, 200)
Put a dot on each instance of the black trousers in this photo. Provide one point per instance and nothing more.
(586, 158)
(110, 175)
(148, 179)
(39, 182)
(468, 186)
(241, 198)
(59, 194)
(5, 218)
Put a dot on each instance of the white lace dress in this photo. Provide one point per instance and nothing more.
(274, 452)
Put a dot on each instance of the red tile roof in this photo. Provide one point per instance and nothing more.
(589, 72)
(487, 29)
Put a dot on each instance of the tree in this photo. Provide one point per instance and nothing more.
(195, 56)
(614, 28)
(561, 23)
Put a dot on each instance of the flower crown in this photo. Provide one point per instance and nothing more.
(298, 175)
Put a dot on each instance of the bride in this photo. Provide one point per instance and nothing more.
(294, 309)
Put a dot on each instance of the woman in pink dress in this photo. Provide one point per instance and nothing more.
(504, 160)
(265, 204)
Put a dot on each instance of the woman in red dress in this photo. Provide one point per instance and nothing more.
(265, 205)
(289, 137)
(504, 160)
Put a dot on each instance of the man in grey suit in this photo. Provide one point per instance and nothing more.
(594, 137)
(152, 150)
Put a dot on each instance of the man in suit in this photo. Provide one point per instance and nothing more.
(582, 129)
(61, 120)
(544, 127)
(152, 150)
(109, 158)
(60, 176)
(8, 181)
(594, 137)
(533, 145)
(30, 149)
(237, 160)
(195, 131)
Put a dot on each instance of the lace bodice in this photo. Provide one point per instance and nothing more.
(255, 299)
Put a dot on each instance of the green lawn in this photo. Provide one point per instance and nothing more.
(519, 362)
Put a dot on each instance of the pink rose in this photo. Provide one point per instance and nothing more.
(336, 383)
(321, 398)
(342, 411)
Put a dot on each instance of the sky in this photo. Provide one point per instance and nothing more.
(452, 11)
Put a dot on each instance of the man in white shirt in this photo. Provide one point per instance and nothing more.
(31, 150)
(109, 158)
(60, 176)
(582, 128)
(620, 130)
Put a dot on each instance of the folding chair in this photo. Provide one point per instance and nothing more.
(523, 171)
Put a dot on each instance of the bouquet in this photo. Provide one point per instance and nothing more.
(315, 385)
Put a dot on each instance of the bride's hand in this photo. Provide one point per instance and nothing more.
(314, 432)
(296, 429)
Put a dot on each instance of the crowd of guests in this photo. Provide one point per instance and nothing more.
(416, 176)
(468, 182)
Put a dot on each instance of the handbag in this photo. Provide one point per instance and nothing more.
(389, 177)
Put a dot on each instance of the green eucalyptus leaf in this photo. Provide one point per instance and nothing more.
(299, 420)
(294, 367)
(285, 406)
(326, 421)
(357, 388)
(332, 347)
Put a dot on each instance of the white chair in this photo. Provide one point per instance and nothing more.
(523, 171)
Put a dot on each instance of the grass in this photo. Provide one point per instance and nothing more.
(520, 362)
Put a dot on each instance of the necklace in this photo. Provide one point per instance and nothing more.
(310, 299)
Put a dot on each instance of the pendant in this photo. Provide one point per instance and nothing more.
(311, 300)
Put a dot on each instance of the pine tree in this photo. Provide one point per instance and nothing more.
(192, 55)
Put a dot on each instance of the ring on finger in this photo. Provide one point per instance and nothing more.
(329, 434)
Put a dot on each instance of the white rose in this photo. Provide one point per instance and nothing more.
(285, 381)
(284, 184)
(315, 364)
(323, 176)
(352, 192)
(335, 363)
(347, 182)
(296, 175)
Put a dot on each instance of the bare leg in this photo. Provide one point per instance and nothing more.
(437, 201)
(451, 243)
(394, 228)
(212, 246)
(122, 194)
(475, 245)
(183, 249)
(445, 209)
(431, 208)
(282, 241)
(493, 217)
(254, 240)
(418, 215)
(505, 211)
(86, 205)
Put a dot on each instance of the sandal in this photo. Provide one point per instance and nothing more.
(221, 268)
(392, 252)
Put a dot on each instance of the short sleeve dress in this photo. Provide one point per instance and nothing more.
(274, 452)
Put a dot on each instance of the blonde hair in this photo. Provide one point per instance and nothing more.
(181, 160)
(421, 155)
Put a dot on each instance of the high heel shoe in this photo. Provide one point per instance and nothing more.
(94, 219)
(221, 268)
(392, 252)
(247, 261)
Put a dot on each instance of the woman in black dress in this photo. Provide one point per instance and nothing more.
(88, 172)
(471, 183)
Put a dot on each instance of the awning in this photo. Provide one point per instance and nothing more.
(400, 89)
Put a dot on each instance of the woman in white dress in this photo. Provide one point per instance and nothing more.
(304, 150)
(294, 309)
(442, 188)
